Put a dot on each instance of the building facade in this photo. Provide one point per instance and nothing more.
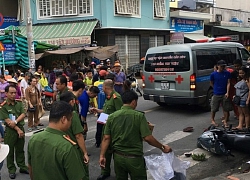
(239, 5)
(133, 25)
(187, 25)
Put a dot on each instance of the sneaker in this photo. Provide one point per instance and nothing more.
(30, 129)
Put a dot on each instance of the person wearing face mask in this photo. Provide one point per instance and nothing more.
(6, 74)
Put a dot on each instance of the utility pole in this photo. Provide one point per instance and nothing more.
(31, 49)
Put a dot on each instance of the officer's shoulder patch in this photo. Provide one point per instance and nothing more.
(68, 139)
(3, 103)
(114, 96)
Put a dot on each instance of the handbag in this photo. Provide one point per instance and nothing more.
(32, 109)
(236, 99)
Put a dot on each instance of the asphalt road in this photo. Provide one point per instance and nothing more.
(169, 122)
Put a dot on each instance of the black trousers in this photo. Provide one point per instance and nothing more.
(98, 135)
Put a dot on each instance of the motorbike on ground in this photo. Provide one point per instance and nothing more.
(47, 98)
(222, 141)
(134, 83)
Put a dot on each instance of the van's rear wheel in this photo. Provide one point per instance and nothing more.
(161, 104)
(207, 105)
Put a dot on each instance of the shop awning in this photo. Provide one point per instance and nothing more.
(237, 29)
(195, 37)
(60, 51)
(47, 32)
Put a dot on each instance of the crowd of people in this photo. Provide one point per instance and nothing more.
(59, 152)
(229, 84)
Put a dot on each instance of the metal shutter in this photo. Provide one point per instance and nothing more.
(160, 40)
(151, 41)
(120, 41)
(133, 50)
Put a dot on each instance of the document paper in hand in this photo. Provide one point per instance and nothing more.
(102, 118)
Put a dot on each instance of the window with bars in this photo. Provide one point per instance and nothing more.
(127, 7)
(159, 8)
(50, 8)
(44, 8)
(57, 7)
(85, 7)
(70, 7)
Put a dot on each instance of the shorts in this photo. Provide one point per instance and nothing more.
(242, 103)
(218, 100)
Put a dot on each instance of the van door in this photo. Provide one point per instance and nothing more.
(168, 74)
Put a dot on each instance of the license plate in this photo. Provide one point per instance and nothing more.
(164, 85)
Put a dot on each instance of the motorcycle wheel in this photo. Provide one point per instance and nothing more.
(47, 103)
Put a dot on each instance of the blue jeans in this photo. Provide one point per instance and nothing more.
(1, 130)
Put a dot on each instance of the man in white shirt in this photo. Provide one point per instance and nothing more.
(24, 84)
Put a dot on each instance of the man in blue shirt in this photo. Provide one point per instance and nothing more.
(220, 81)
(92, 92)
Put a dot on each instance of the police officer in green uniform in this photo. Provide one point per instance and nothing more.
(61, 86)
(76, 132)
(112, 103)
(52, 154)
(78, 88)
(12, 112)
(125, 130)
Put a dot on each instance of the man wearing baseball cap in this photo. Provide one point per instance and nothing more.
(120, 77)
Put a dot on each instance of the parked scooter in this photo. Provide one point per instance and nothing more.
(47, 98)
(134, 83)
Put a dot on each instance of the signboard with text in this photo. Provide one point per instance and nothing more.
(8, 21)
(186, 25)
(10, 52)
(177, 38)
(67, 40)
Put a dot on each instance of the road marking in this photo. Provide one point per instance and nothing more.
(150, 110)
(174, 136)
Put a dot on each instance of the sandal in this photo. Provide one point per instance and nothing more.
(188, 129)
(40, 124)
(237, 129)
(30, 129)
(214, 124)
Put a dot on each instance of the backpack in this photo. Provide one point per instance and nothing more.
(101, 97)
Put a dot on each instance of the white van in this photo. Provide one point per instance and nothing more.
(180, 74)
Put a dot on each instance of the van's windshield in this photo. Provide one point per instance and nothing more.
(167, 62)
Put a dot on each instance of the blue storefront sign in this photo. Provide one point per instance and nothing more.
(9, 53)
(8, 21)
(186, 25)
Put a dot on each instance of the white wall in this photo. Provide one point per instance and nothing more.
(243, 5)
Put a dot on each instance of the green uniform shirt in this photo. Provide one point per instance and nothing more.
(75, 127)
(76, 105)
(59, 93)
(53, 157)
(127, 128)
(8, 110)
(113, 103)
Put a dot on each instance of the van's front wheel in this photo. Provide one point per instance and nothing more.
(207, 104)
